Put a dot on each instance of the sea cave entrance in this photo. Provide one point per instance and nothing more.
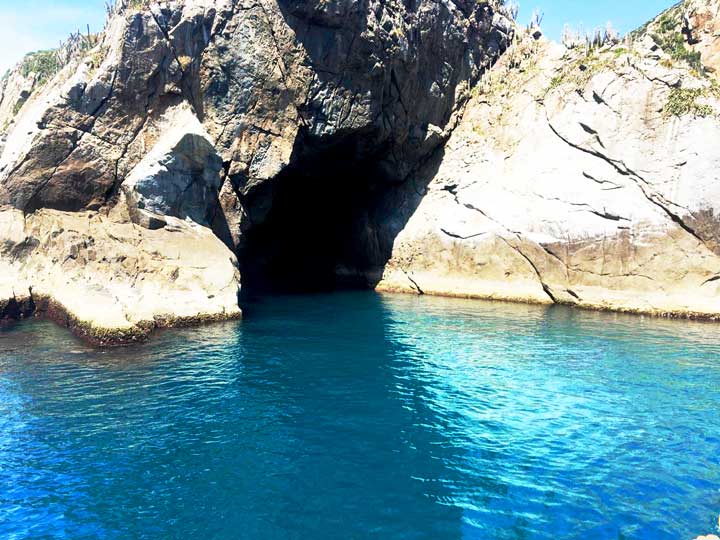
(329, 223)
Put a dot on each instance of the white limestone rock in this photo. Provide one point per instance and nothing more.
(569, 181)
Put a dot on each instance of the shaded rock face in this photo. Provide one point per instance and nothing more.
(180, 176)
(183, 182)
(393, 73)
(386, 81)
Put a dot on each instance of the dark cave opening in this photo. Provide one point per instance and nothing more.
(327, 226)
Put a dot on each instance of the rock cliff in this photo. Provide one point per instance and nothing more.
(581, 177)
(157, 150)
(357, 142)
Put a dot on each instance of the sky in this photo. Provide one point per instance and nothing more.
(30, 25)
(625, 15)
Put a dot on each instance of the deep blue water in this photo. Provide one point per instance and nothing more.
(356, 416)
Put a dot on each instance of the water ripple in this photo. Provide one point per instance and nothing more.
(362, 416)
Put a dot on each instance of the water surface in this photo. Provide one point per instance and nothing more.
(355, 416)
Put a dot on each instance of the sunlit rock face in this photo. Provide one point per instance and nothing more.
(109, 280)
(203, 110)
(586, 180)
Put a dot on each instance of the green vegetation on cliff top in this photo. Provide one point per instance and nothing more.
(671, 40)
(45, 64)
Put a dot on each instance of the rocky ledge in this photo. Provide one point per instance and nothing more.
(111, 281)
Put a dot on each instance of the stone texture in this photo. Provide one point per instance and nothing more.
(701, 25)
(181, 175)
(110, 280)
(191, 126)
(190, 111)
(261, 77)
(569, 181)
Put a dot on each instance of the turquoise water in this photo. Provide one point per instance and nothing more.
(356, 416)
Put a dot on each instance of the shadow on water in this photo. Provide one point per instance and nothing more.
(357, 415)
(282, 427)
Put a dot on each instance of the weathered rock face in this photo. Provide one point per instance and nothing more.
(307, 139)
(207, 110)
(590, 181)
(267, 80)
